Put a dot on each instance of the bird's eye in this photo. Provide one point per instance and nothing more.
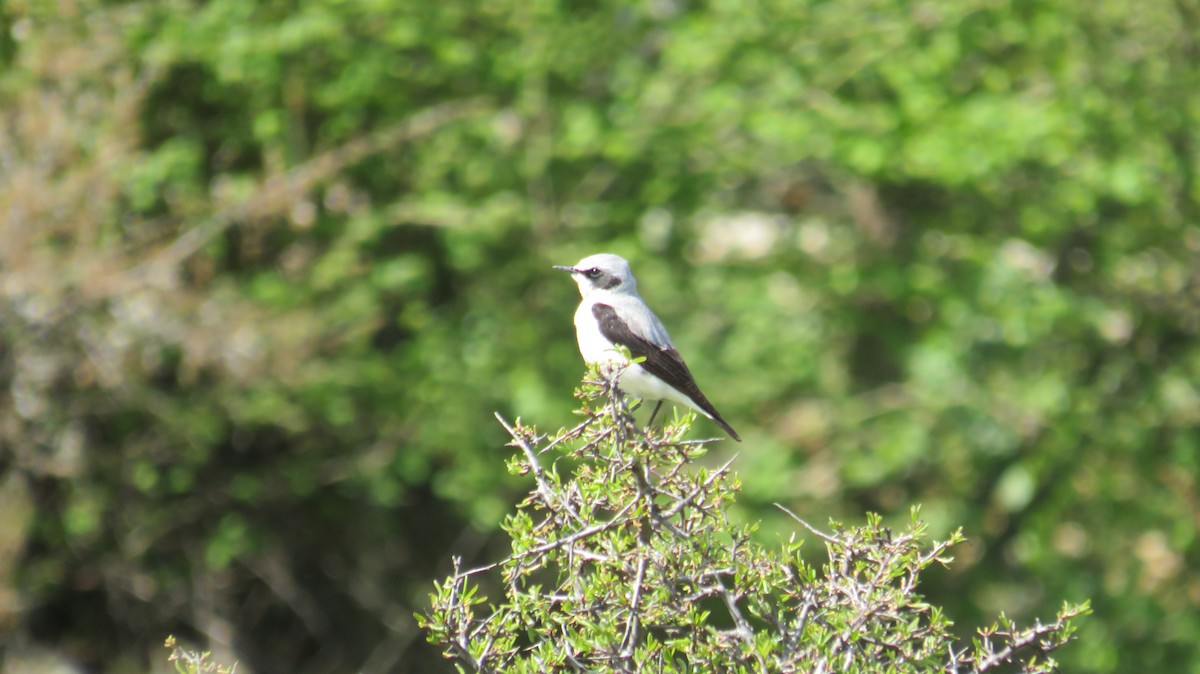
(592, 273)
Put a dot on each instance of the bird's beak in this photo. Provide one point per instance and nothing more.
(562, 268)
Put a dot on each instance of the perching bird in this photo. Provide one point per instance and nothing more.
(612, 313)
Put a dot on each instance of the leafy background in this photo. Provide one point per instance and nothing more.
(267, 268)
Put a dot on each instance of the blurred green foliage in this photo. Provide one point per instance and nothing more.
(266, 269)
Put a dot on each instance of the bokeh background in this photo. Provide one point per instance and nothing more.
(267, 269)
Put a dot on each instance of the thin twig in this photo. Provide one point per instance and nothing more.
(700, 489)
(826, 537)
(539, 474)
(569, 435)
(631, 630)
(1016, 643)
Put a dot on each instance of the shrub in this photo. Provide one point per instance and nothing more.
(624, 558)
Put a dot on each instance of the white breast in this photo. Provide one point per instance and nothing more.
(592, 345)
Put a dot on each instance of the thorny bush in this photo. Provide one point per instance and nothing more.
(624, 559)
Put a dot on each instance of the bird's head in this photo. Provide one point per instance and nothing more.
(602, 273)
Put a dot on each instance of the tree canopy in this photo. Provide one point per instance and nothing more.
(267, 268)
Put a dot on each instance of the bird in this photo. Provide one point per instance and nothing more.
(613, 314)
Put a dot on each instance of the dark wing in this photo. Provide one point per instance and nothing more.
(664, 363)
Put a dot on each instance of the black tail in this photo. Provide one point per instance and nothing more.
(712, 413)
(721, 422)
